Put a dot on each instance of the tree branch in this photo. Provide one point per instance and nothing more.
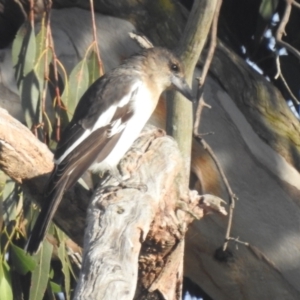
(127, 223)
(19, 147)
(180, 117)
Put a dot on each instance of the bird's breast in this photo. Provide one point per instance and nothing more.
(143, 105)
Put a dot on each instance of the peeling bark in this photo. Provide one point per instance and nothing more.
(125, 226)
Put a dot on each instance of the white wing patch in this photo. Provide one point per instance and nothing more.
(72, 147)
(104, 120)
(125, 100)
(117, 126)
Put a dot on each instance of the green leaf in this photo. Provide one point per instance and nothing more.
(5, 282)
(2, 185)
(267, 8)
(93, 67)
(43, 56)
(10, 200)
(40, 275)
(41, 39)
(2, 181)
(78, 84)
(56, 288)
(22, 261)
(29, 73)
(23, 51)
(30, 99)
(64, 259)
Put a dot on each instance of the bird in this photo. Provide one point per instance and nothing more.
(107, 120)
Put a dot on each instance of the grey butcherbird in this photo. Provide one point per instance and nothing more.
(107, 120)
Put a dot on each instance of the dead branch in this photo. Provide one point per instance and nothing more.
(279, 33)
(201, 105)
(293, 97)
(124, 224)
(19, 147)
(281, 30)
(211, 50)
(212, 45)
(295, 3)
(232, 196)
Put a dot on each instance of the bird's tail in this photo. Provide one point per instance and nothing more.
(44, 218)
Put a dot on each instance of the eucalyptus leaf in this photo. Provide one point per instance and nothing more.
(43, 55)
(22, 261)
(9, 199)
(56, 288)
(30, 99)
(267, 8)
(78, 84)
(64, 259)
(41, 39)
(2, 186)
(5, 282)
(93, 67)
(23, 51)
(40, 275)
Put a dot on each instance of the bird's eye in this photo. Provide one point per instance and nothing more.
(174, 68)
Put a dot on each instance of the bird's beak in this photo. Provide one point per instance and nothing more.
(181, 86)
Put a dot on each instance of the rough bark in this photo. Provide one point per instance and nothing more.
(128, 225)
(19, 147)
(119, 222)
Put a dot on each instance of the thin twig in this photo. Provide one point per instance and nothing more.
(294, 98)
(213, 43)
(238, 241)
(21, 8)
(220, 169)
(232, 196)
(201, 105)
(56, 85)
(100, 65)
(279, 33)
(46, 20)
(210, 54)
(31, 13)
(281, 30)
(277, 67)
(295, 4)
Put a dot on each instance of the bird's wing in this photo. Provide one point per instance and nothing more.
(106, 101)
(97, 124)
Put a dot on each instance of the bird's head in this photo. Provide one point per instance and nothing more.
(167, 71)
